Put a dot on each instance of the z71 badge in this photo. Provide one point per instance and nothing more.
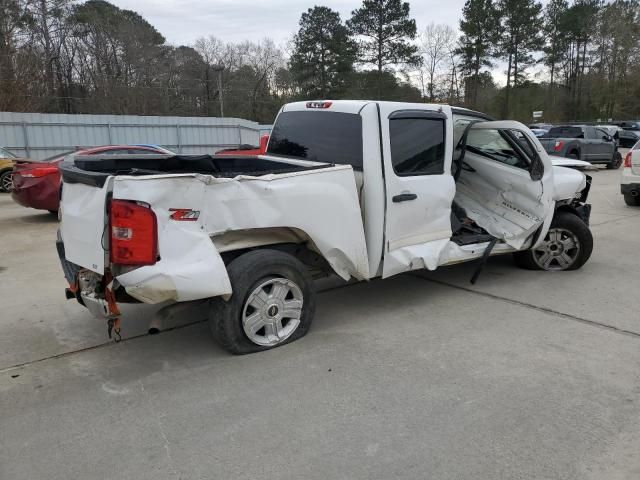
(184, 214)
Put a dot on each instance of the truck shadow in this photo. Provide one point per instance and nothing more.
(33, 219)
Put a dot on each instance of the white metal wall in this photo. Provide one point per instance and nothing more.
(40, 135)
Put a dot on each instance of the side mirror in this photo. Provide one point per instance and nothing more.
(607, 138)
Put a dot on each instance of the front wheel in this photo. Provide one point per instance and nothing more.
(567, 246)
(272, 304)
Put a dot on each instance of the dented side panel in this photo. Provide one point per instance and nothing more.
(321, 203)
(504, 199)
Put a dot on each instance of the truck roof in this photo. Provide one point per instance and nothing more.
(354, 106)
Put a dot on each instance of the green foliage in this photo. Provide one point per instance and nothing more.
(365, 85)
(479, 27)
(323, 54)
(385, 29)
(575, 60)
(520, 27)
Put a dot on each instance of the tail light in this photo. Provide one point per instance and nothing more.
(134, 234)
(558, 146)
(627, 160)
(38, 172)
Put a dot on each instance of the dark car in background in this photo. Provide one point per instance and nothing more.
(36, 183)
(630, 133)
(250, 150)
(590, 143)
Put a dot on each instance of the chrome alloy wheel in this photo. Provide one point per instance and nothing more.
(272, 311)
(558, 251)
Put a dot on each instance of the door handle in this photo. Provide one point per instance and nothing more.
(404, 197)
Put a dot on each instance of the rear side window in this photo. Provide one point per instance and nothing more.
(417, 146)
(565, 132)
(329, 137)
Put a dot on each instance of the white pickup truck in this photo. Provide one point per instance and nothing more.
(360, 189)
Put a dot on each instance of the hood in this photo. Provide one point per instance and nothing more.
(571, 163)
(567, 182)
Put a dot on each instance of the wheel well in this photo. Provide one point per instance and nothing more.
(297, 243)
(574, 151)
(567, 207)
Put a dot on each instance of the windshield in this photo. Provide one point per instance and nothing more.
(328, 137)
(565, 132)
(6, 154)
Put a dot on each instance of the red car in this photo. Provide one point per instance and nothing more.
(36, 183)
(247, 149)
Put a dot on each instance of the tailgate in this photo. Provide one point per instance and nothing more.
(83, 222)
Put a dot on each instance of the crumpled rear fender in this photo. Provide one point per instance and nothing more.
(323, 204)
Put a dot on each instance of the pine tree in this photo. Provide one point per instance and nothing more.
(479, 25)
(323, 53)
(520, 27)
(386, 29)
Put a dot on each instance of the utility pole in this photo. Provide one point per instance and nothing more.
(220, 68)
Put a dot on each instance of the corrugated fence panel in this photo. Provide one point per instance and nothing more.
(40, 135)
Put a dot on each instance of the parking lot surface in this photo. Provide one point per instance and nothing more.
(524, 375)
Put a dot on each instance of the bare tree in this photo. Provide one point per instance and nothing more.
(437, 43)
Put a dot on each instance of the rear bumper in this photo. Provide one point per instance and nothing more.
(632, 189)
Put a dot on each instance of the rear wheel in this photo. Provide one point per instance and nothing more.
(5, 181)
(632, 201)
(567, 246)
(272, 304)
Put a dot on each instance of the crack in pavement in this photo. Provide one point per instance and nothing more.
(134, 337)
(93, 347)
(550, 311)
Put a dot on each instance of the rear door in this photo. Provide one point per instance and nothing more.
(603, 147)
(506, 180)
(589, 148)
(417, 151)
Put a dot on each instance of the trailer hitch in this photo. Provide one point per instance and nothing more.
(113, 325)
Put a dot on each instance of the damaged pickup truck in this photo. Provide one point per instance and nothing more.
(354, 188)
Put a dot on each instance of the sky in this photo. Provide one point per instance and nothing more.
(183, 21)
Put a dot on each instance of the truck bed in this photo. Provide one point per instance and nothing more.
(94, 170)
(244, 201)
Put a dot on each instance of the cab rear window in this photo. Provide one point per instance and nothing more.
(320, 136)
(565, 132)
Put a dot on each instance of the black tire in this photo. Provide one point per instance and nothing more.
(575, 225)
(574, 155)
(4, 176)
(632, 201)
(615, 162)
(246, 273)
